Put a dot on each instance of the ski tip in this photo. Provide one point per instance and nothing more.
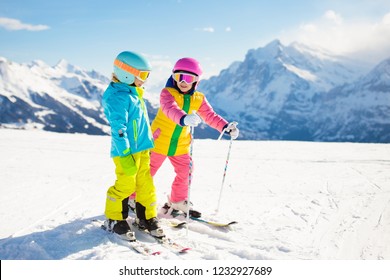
(184, 250)
(180, 225)
(177, 225)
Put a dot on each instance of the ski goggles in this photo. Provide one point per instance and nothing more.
(141, 75)
(185, 77)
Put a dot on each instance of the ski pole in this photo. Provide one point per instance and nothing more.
(190, 177)
(222, 133)
(226, 166)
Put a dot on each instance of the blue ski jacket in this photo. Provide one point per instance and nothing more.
(127, 114)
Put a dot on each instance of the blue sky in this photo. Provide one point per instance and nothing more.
(90, 33)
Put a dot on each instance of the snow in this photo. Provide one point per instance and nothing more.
(292, 200)
(306, 75)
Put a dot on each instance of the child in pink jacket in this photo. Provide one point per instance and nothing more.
(179, 101)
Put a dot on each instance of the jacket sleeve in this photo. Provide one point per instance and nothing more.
(170, 108)
(206, 112)
(116, 107)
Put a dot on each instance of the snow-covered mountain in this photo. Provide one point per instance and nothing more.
(281, 92)
(63, 98)
(278, 92)
(357, 112)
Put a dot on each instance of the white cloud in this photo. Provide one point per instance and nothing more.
(333, 16)
(228, 29)
(15, 24)
(386, 19)
(367, 40)
(308, 27)
(206, 29)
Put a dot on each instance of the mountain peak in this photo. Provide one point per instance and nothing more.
(272, 50)
(274, 44)
(378, 79)
(64, 65)
(38, 63)
(62, 62)
(384, 66)
(3, 59)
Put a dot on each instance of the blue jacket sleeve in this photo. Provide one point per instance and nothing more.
(116, 108)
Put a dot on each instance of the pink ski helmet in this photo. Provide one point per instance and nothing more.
(188, 64)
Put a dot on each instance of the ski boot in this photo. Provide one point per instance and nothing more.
(174, 209)
(121, 228)
(152, 226)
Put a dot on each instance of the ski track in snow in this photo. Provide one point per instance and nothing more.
(292, 200)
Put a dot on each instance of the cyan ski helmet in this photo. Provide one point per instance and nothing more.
(129, 65)
(188, 64)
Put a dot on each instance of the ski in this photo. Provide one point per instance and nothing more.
(166, 242)
(180, 214)
(209, 222)
(212, 223)
(172, 245)
(135, 244)
(177, 225)
(143, 249)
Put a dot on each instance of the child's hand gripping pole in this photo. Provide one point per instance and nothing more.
(228, 128)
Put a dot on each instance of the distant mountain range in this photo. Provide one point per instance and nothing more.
(63, 98)
(278, 92)
(298, 93)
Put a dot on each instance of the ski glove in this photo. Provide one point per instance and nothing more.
(128, 165)
(233, 130)
(192, 120)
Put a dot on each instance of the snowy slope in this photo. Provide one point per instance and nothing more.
(293, 200)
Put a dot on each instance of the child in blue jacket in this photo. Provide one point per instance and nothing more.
(131, 141)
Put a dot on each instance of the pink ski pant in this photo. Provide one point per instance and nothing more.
(181, 166)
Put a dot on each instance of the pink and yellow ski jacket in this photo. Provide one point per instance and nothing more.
(170, 137)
